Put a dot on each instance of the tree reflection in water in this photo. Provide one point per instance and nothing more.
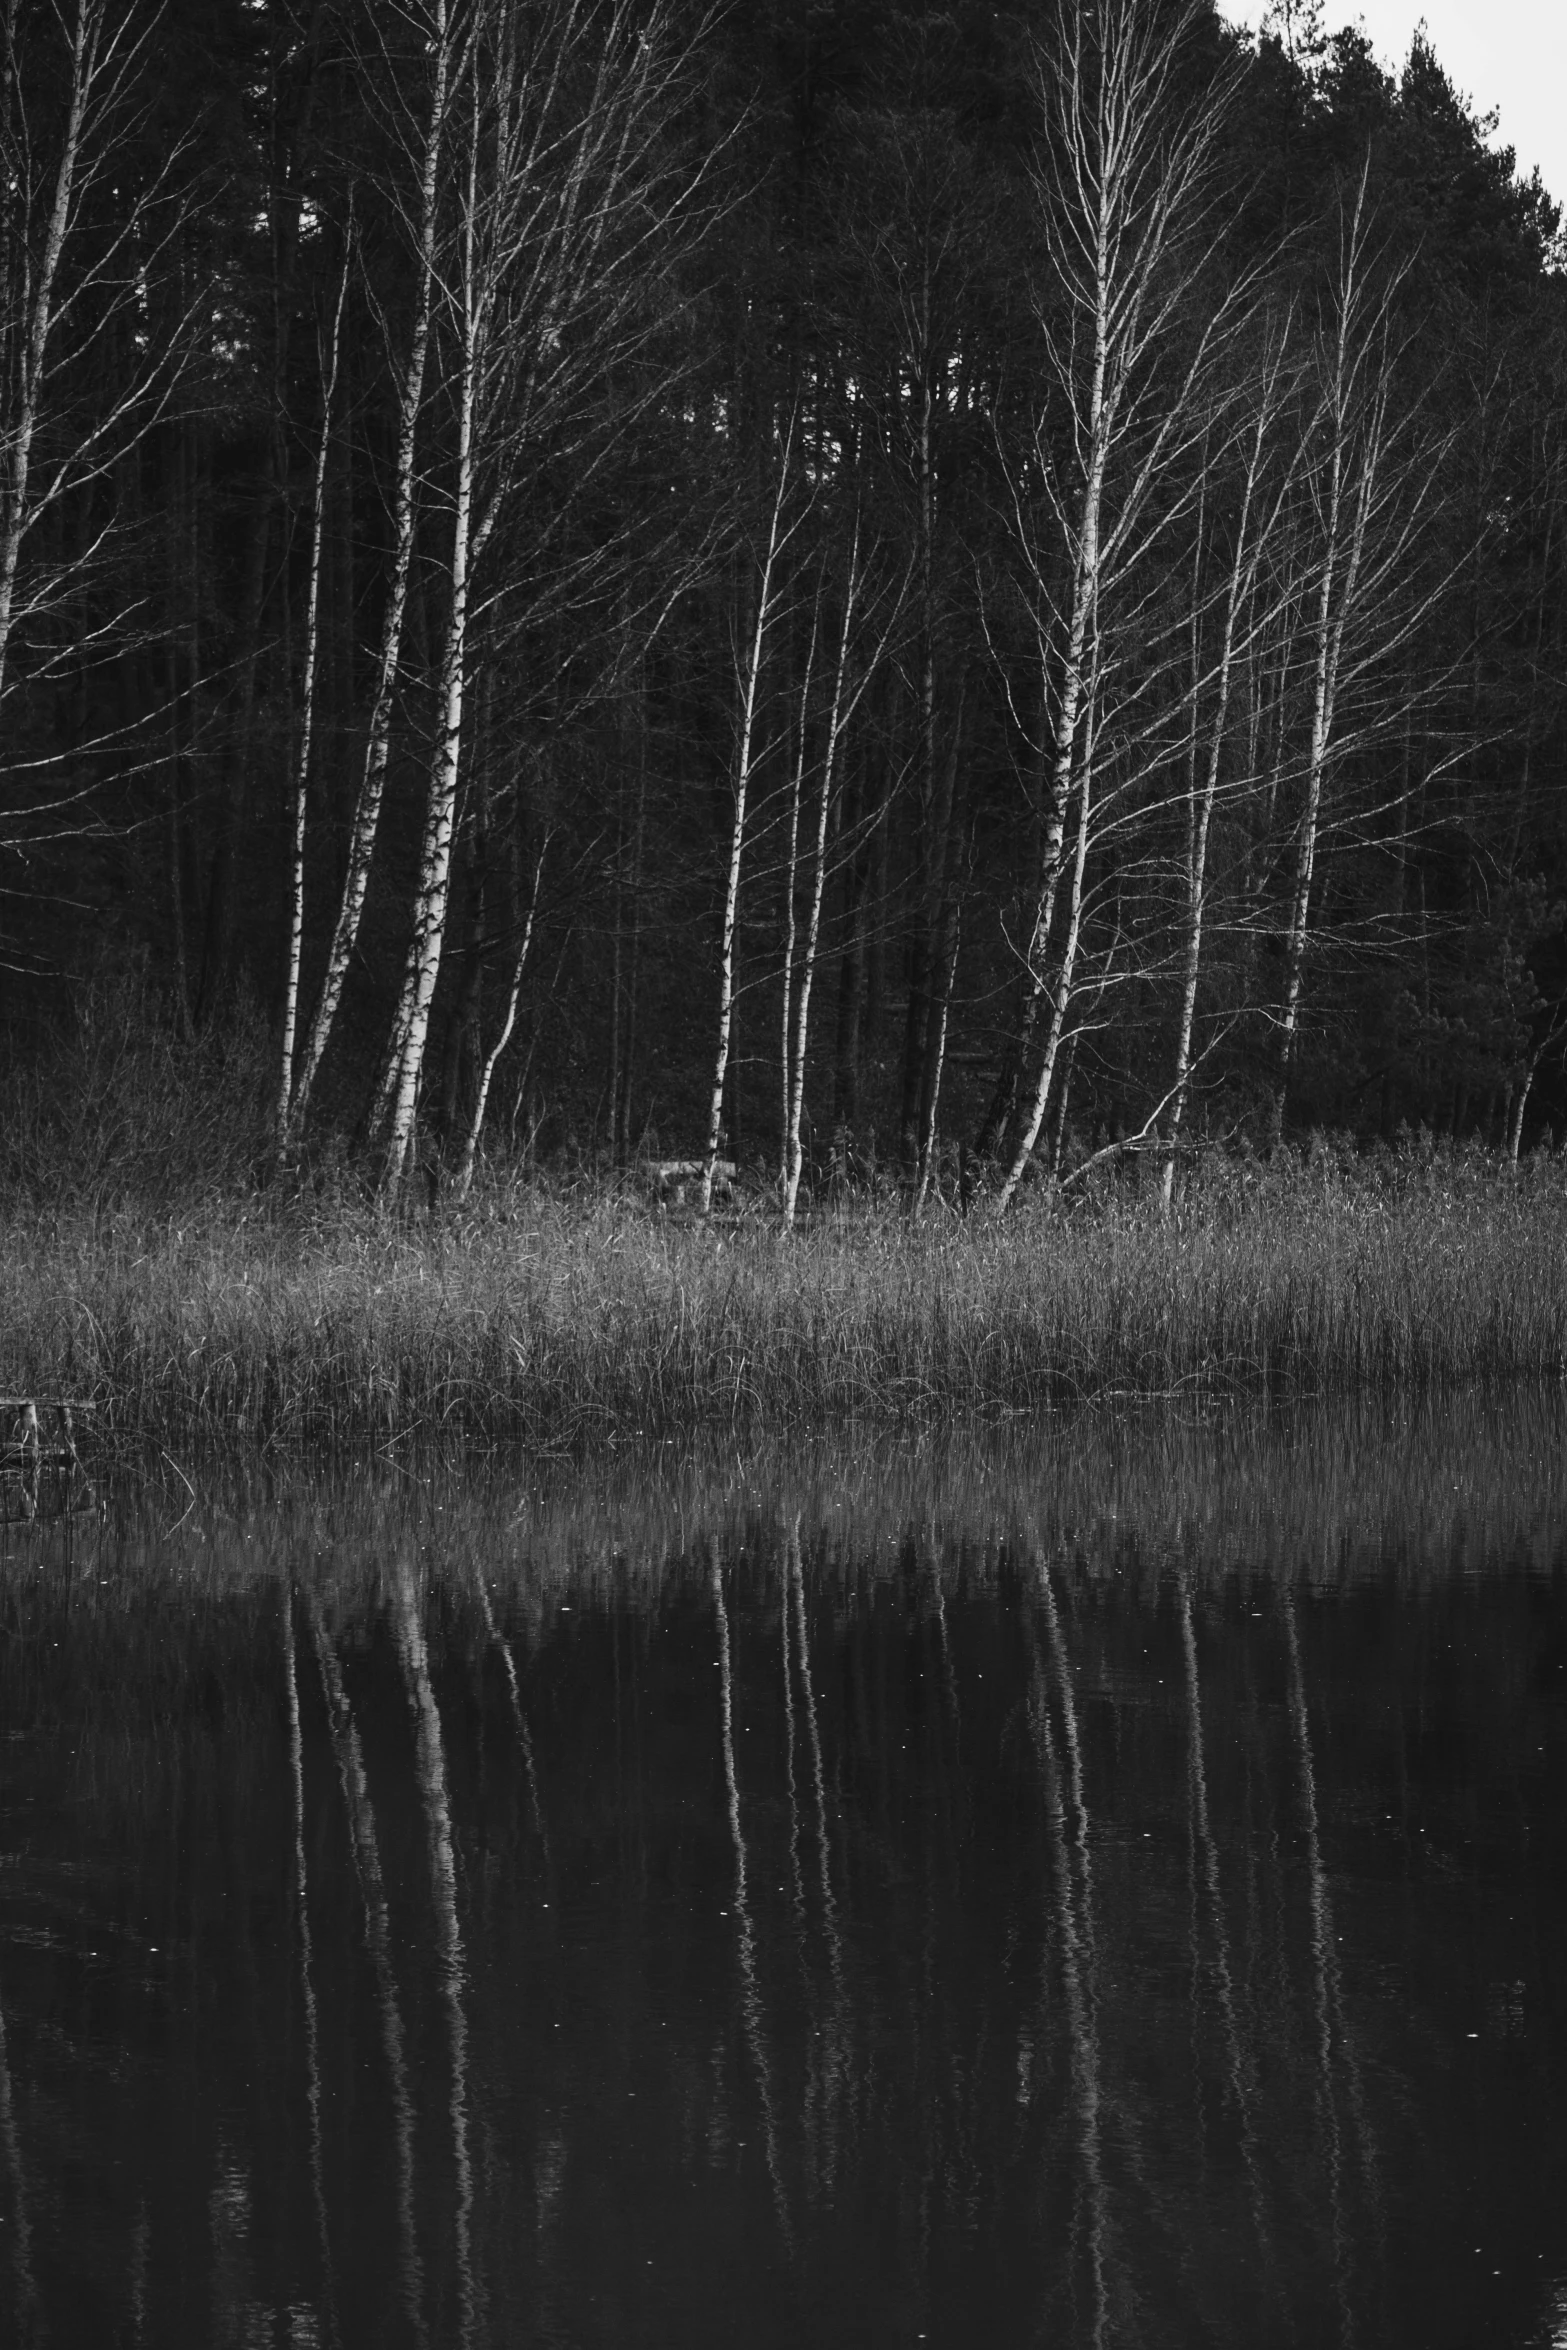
(1101, 1885)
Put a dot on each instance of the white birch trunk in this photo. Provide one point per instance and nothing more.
(463, 1178)
(1065, 974)
(1354, 417)
(1241, 586)
(412, 1023)
(367, 807)
(791, 877)
(837, 720)
(16, 513)
(1096, 162)
(940, 1010)
(1316, 766)
(1085, 582)
(283, 1114)
(1118, 190)
(745, 751)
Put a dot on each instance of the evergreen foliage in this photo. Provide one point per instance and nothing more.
(575, 414)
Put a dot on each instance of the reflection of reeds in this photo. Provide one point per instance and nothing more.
(929, 1537)
(565, 1316)
(745, 1932)
(296, 1759)
(1418, 1483)
(430, 1771)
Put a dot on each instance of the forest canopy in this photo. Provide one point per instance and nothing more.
(824, 582)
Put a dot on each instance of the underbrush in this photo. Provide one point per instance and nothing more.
(559, 1315)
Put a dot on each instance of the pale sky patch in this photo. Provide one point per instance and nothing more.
(1506, 55)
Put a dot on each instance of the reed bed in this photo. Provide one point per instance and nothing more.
(560, 1317)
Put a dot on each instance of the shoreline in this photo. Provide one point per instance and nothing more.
(559, 1317)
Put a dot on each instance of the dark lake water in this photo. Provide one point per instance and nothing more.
(1095, 1883)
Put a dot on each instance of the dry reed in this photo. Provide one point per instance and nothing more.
(559, 1317)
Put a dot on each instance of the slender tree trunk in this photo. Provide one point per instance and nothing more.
(842, 709)
(1076, 661)
(634, 973)
(791, 885)
(924, 880)
(1356, 421)
(412, 1024)
(288, 137)
(1240, 586)
(936, 1051)
(619, 894)
(1063, 1106)
(460, 1054)
(184, 640)
(851, 988)
(464, 1175)
(1327, 651)
(750, 682)
(16, 510)
(1119, 190)
(1074, 686)
(945, 931)
(367, 810)
(1064, 976)
(283, 1112)
(1520, 1104)
(1017, 1047)
(865, 826)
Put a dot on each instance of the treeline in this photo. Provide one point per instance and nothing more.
(820, 583)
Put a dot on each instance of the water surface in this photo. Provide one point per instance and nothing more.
(1097, 1882)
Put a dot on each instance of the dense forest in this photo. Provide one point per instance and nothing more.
(836, 583)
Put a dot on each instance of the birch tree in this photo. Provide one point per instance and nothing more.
(750, 656)
(791, 887)
(286, 151)
(406, 1063)
(1260, 504)
(848, 687)
(426, 158)
(1120, 199)
(282, 1115)
(1366, 487)
(567, 196)
(78, 260)
(519, 938)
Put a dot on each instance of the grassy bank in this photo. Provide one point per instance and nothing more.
(560, 1317)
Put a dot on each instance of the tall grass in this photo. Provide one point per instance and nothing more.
(557, 1317)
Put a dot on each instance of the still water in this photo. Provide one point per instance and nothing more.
(1094, 1883)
